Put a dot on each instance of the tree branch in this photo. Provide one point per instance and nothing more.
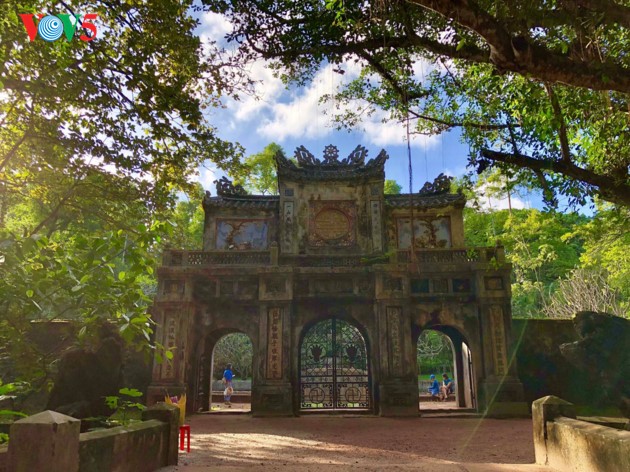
(9, 155)
(609, 188)
(521, 55)
(457, 124)
(610, 12)
(384, 72)
(467, 52)
(562, 131)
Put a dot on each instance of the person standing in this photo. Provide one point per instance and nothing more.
(227, 381)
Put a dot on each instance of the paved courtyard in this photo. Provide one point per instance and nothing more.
(351, 443)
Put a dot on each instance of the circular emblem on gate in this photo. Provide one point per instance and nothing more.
(331, 224)
(317, 395)
(353, 395)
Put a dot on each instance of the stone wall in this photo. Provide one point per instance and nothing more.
(51, 441)
(4, 456)
(565, 443)
(135, 448)
(542, 368)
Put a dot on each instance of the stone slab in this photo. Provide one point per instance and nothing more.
(46, 441)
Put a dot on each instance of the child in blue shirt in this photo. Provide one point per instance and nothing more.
(447, 387)
(434, 388)
(227, 378)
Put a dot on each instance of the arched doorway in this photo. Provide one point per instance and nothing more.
(443, 350)
(215, 351)
(334, 367)
(235, 349)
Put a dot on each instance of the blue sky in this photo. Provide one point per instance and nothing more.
(295, 116)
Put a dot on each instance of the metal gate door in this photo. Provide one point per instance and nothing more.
(334, 367)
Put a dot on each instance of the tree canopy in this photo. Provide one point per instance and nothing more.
(258, 174)
(118, 118)
(554, 254)
(391, 187)
(538, 89)
(97, 140)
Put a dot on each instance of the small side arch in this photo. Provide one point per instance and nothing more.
(463, 368)
(201, 382)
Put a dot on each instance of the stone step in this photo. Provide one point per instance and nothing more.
(237, 397)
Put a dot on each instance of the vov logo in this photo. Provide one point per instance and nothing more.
(51, 27)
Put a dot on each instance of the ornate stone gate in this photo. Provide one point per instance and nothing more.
(332, 248)
(334, 368)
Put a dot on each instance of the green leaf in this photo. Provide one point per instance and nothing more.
(130, 392)
(12, 413)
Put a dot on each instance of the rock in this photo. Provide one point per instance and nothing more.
(86, 377)
(7, 402)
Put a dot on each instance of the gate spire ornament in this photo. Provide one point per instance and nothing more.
(225, 187)
(331, 155)
(441, 184)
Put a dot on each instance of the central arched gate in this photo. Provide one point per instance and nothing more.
(334, 369)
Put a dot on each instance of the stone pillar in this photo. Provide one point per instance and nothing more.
(272, 393)
(398, 387)
(168, 414)
(46, 441)
(543, 410)
(174, 324)
(501, 392)
(459, 373)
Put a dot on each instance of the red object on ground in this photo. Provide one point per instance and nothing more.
(185, 429)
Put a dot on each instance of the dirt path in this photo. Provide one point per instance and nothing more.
(315, 443)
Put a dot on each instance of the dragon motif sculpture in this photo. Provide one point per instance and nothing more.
(331, 157)
(225, 187)
(441, 184)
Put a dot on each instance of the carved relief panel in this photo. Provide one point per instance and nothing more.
(287, 219)
(427, 233)
(332, 223)
(169, 367)
(393, 314)
(242, 234)
(498, 340)
(274, 343)
(375, 216)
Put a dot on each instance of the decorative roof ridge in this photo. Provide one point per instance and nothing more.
(244, 197)
(395, 196)
(307, 161)
(401, 200)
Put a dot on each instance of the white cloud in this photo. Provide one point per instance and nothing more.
(206, 177)
(457, 172)
(381, 131)
(266, 94)
(277, 114)
(299, 113)
(302, 114)
(499, 203)
(214, 27)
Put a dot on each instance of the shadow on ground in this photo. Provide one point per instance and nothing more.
(313, 443)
